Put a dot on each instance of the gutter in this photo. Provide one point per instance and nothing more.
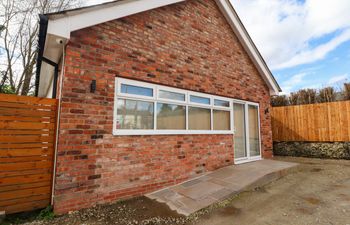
(44, 21)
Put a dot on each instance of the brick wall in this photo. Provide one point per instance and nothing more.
(188, 45)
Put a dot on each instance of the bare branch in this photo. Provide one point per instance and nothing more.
(19, 30)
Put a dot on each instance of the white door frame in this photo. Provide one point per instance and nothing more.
(248, 158)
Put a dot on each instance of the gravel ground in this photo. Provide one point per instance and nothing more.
(318, 192)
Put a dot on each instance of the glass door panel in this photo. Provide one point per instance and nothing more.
(240, 131)
(254, 140)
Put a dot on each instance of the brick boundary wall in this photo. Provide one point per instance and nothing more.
(188, 45)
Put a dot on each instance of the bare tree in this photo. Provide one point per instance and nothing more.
(346, 91)
(18, 40)
(307, 96)
(294, 98)
(327, 94)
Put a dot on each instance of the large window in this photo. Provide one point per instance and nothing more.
(143, 108)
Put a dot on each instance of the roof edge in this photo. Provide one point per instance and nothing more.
(249, 45)
(254, 45)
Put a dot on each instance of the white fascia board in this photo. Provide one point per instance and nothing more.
(247, 43)
(64, 26)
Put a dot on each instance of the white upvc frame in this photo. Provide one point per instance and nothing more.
(175, 90)
(155, 100)
(248, 158)
(119, 83)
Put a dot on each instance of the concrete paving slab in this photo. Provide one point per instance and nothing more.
(191, 183)
(200, 190)
(198, 193)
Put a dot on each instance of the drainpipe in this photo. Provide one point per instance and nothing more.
(41, 45)
(58, 115)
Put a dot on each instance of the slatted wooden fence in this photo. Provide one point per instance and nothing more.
(325, 122)
(27, 139)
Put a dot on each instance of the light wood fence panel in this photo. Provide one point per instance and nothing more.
(27, 139)
(324, 122)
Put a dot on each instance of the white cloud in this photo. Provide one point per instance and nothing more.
(293, 82)
(338, 79)
(311, 55)
(283, 29)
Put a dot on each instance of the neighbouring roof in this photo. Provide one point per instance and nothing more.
(61, 24)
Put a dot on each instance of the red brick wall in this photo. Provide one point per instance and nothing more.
(188, 45)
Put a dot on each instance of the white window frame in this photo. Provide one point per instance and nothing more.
(155, 100)
(249, 158)
(119, 83)
(169, 89)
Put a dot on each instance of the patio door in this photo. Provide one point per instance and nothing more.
(247, 132)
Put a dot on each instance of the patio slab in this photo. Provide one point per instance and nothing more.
(193, 195)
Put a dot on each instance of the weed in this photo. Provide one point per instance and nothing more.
(46, 214)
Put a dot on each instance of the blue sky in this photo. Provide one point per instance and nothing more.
(306, 43)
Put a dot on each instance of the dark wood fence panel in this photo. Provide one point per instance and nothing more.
(325, 122)
(27, 139)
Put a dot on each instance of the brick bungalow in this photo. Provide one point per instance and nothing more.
(152, 93)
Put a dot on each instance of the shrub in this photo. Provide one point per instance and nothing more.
(280, 100)
(6, 89)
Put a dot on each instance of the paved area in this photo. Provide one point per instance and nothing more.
(199, 193)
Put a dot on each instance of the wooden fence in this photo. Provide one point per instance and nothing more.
(27, 139)
(325, 122)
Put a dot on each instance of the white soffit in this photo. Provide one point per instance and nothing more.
(62, 24)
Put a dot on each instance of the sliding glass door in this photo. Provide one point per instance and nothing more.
(254, 137)
(240, 132)
(247, 132)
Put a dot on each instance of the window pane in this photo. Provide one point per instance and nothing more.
(254, 141)
(200, 100)
(134, 114)
(171, 95)
(221, 120)
(171, 117)
(221, 103)
(135, 90)
(240, 131)
(199, 119)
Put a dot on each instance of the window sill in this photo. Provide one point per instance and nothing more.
(167, 132)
